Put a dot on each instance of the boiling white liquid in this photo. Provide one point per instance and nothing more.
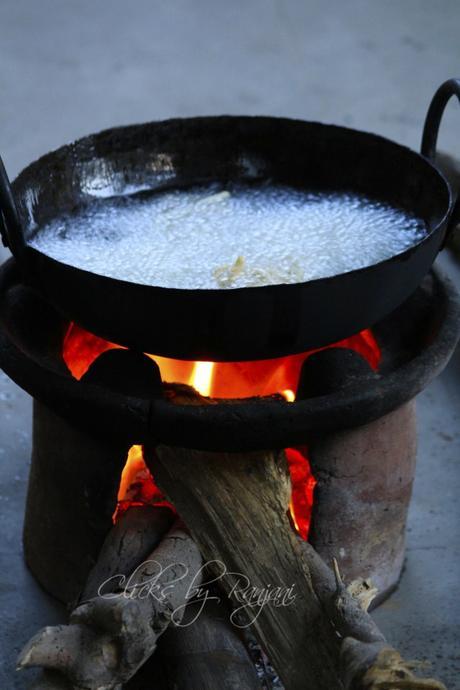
(245, 236)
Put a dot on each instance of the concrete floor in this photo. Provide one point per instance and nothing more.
(70, 67)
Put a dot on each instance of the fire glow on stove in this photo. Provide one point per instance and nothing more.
(218, 380)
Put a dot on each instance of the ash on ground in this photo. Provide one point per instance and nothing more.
(269, 680)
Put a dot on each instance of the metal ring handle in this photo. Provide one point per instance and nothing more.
(450, 88)
(10, 226)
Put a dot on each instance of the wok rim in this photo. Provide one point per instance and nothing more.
(32, 167)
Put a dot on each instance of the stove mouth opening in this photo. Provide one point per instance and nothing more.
(218, 380)
(138, 487)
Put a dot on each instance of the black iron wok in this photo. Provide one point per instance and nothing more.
(244, 323)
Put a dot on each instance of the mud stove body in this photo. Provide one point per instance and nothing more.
(359, 426)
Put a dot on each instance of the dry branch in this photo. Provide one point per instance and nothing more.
(367, 661)
(108, 639)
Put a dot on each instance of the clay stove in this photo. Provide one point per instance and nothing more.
(344, 414)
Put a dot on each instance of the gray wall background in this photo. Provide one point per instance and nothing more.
(70, 67)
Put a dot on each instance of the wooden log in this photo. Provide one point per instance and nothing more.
(130, 541)
(108, 639)
(206, 655)
(203, 655)
(137, 532)
(236, 507)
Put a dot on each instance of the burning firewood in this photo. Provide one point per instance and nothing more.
(320, 638)
(242, 499)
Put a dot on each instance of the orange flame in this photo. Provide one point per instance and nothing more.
(303, 485)
(137, 486)
(201, 378)
(222, 379)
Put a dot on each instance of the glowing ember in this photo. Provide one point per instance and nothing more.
(219, 380)
(303, 484)
(137, 486)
